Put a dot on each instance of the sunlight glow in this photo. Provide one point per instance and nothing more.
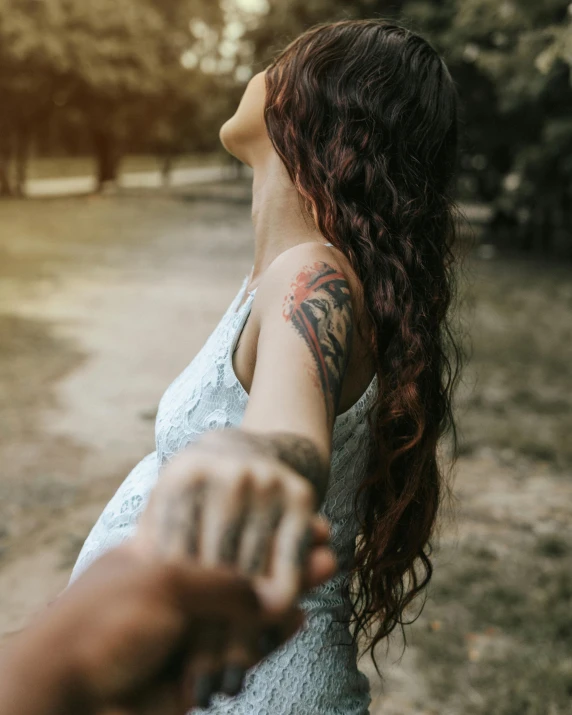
(252, 5)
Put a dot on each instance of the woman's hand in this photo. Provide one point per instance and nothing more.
(228, 500)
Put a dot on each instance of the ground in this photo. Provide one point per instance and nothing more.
(103, 300)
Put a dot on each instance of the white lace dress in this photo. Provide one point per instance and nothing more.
(315, 673)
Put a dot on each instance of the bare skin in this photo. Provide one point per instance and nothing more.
(122, 637)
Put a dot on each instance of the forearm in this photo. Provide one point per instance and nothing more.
(297, 452)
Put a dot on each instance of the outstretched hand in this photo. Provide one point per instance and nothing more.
(124, 638)
(226, 502)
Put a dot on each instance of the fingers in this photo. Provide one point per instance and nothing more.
(241, 652)
(225, 512)
(321, 529)
(247, 645)
(171, 524)
(262, 521)
(205, 669)
(320, 567)
(265, 514)
(293, 541)
(219, 603)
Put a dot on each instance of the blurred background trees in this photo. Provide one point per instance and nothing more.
(159, 76)
(100, 76)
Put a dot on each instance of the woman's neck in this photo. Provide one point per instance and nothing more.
(279, 219)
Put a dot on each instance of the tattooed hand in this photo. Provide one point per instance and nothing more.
(228, 500)
(239, 499)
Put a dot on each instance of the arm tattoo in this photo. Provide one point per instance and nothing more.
(320, 309)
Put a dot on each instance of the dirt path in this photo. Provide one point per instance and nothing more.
(98, 330)
(102, 302)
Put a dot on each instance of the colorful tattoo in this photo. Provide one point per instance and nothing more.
(320, 309)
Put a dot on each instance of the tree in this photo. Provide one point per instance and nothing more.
(288, 18)
(115, 60)
(512, 63)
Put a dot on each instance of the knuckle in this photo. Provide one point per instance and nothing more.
(236, 480)
(186, 477)
(267, 482)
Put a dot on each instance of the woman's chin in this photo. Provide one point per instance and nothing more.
(228, 140)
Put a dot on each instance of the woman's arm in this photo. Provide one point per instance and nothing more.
(249, 496)
(303, 310)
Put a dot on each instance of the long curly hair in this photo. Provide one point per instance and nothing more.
(363, 113)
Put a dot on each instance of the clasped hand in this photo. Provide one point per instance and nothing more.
(224, 503)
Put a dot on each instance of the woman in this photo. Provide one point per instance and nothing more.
(327, 382)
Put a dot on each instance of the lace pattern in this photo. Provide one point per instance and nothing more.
(315, 673)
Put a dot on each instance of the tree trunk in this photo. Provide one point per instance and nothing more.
(5, 157)
(167, 168)
(5, 160)
(108, 158)
(22, 154)
(237, 167)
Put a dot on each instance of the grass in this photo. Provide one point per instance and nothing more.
(517, 393)
(495, 636)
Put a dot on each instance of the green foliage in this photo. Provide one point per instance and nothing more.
(117, 61)
(512, 61)
(286, 19)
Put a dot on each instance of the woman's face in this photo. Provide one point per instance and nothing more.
(244, 134)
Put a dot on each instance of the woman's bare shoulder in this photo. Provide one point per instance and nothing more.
(310, 257)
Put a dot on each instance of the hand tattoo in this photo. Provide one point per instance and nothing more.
(231, 538)
(179, 521)
(297, 452)
(267, 527)
(320, 309)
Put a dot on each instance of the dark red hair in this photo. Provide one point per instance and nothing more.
(364, 116)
